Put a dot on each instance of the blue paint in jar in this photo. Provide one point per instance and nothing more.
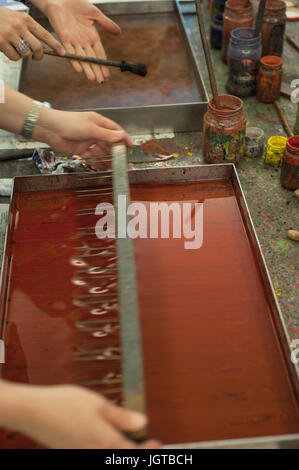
(243, 58)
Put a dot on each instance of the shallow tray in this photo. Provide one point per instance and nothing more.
(172, 97)
(216, 354)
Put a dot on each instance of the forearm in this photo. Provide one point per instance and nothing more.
(15, 403)
(14, 110)
(46, 5)
(43, 4)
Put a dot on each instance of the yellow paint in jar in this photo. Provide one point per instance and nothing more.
(275, 149)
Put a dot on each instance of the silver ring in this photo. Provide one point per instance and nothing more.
(23, 47)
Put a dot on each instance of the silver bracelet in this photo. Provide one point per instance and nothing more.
(31, 119)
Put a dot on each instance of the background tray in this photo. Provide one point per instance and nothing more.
(171, 97)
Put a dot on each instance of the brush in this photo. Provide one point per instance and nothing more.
(292, 42)
(283, 119)
(207, 54)
(259, 18)
(134, 67)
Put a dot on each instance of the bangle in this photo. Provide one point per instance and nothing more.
(31, 119)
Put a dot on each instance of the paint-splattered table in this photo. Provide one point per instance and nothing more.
(274, 210)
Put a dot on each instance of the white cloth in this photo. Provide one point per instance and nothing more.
(5, 186)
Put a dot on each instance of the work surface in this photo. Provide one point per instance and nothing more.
(274, 210)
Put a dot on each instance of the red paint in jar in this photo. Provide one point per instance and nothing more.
(289, 176)
(224, 130)
(273, 27)
(237, 14)
(269, 79)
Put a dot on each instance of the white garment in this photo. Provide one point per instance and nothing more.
(5, 186)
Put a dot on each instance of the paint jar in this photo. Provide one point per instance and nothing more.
(296, 126)
(289, 175)
(275, 149)
(273, 27)
(269, 79)
(216, 31)
(254, 142)
(244, 53)
(224, 131)
(237, 14)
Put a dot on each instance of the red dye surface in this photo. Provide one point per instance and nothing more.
(212, 360)
(51, 337)
(213, 363)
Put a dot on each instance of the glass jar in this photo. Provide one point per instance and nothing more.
(254, 142)
(237, 14)
(216, 31)
(273, 27)
(275, 149)
(269, 79)
(244, 53)
(289, 175)
(224, 131)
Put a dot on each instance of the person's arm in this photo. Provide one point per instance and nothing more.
(16, 27)
(74, 21)
(66, 132)
(68, 417)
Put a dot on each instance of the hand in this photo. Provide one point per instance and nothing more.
(85, 134)
(15, 26)
(70, 417)
(74, 23)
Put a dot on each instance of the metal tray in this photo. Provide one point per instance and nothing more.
(172, 97)
(171, 176)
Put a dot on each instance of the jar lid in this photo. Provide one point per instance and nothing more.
(218, 18)
(245, 36)
(254, 133)
(277, 142)
(271, 62)
(230, 105)
(293, 144)
(275, 5)
(238, 7)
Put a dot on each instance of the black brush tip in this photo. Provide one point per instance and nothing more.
(138, 69)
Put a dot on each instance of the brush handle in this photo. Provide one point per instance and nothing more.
(123, 65)
(207, 54)
(81, 58)
(283, 118)
(292, 42)
(259, 18)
